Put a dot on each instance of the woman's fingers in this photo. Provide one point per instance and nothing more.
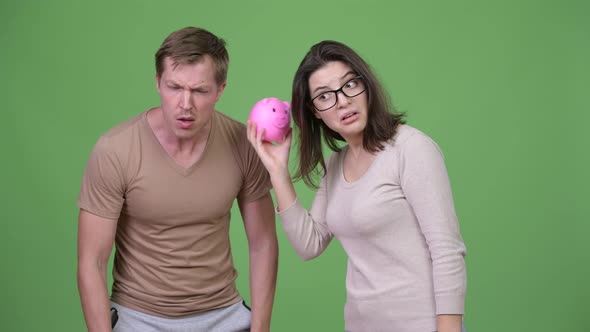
(251, 132)
(254, 136)
(259, 135)
(271, 156)
(288, 136)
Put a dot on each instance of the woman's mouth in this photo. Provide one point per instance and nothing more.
(349, 117)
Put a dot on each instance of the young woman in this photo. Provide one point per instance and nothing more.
(385, 196)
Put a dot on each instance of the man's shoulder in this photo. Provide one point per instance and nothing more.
(228, 123)
(120, 138)
(232, 130)
(123, 129)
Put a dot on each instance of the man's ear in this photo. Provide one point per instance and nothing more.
(220, 91)
(157, 82)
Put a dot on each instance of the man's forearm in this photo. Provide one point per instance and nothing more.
(263, 277)
(449, 323)
(94, 297)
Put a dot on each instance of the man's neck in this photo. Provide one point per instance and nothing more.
(185, 152)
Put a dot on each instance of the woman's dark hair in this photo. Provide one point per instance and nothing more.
(382, 120)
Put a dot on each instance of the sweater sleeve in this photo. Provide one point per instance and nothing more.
(307, 230)
(427, 188)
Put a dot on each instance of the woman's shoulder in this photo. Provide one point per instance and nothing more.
(410, 141)
(406, 134)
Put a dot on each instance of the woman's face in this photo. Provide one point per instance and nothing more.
(348, 115)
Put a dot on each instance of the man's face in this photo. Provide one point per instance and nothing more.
(188, 93)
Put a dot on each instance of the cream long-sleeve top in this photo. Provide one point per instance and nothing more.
(398, 226)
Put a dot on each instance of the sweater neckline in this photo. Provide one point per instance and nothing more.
(352, 184)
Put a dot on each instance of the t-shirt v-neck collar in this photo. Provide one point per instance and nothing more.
(178, 168)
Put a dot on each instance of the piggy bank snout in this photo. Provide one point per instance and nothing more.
(281, 121)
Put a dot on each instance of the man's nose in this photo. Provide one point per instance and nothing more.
(185, 100)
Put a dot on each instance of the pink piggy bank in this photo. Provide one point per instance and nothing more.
(273, 115)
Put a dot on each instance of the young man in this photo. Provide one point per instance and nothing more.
(160, 186)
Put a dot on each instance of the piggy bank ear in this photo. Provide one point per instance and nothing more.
(287, 105)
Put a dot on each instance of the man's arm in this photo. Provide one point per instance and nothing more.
(259, 222)
(449, 323)
(96, 236)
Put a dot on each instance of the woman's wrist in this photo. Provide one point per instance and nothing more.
(280, 178)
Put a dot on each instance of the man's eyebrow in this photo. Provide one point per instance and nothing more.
(175, 83)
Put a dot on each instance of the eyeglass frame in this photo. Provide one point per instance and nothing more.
(359, 77)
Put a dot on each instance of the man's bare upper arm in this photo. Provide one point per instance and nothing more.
(259, 218)
(96, 236)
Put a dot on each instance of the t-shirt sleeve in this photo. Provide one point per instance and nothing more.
(256, 178)
(103, 190)
(427, 188)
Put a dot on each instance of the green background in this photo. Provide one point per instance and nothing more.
(502, 86)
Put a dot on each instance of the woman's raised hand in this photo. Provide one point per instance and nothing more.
(274, 157)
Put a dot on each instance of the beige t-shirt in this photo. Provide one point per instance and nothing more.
(173, 254)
